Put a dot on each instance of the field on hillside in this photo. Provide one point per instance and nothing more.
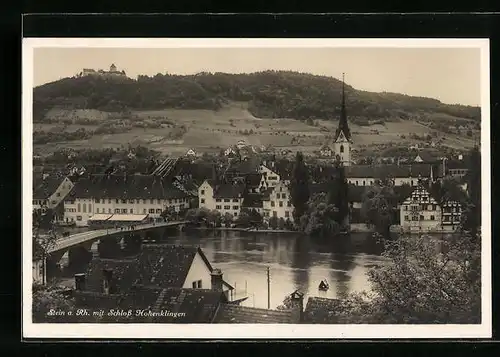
(210, 131)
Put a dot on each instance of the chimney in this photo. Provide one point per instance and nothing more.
(217, 282)
(107, 278)
(80, 282)
(297, 306)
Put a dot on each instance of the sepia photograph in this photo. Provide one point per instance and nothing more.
(270, 188)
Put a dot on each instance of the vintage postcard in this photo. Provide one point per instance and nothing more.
(272, 188)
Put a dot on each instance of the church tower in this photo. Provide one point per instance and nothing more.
(342, 140)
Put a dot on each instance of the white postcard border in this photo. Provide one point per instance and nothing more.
(248, 331)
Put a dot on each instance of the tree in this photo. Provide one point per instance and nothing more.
(338, 195)
(228, 220)
(273, 222)
(472, 217)
(47, 298)
(377, 208)
(425, 281)
(281, 223)
(299, 187)
(169, 213)
(429, 281)
(214, 218)
(321, 221)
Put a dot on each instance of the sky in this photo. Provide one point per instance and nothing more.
(451, 75)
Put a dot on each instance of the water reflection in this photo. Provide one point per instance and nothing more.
(294, 261)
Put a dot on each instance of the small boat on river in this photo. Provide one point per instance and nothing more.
(323, 285)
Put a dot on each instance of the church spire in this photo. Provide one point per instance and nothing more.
(343, 126)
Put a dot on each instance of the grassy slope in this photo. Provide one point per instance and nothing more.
(211, 130)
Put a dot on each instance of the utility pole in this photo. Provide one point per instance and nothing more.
(268, 290)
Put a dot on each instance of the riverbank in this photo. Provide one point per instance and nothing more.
(250, 230)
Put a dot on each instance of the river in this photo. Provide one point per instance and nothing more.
(295, 262)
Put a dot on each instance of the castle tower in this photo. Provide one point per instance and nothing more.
(112, 68)
(342, 139)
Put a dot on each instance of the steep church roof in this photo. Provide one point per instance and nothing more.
(343, 126)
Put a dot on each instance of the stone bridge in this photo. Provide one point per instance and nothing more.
(83, 245)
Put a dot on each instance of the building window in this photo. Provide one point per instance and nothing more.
(158, 210)
(131, 211)
(217, 200)
(421, 217)
(434, 207)
(287, 214)
(78, 218)
(131, 201)
(341, 148)
(289, 204)
(432, 218)
(202, 192)
(272, 204)
(405, 208)
(235, 207)
(117, 210)
(79, 208)
(97, 210)
(84, 208)
(202, 200)
(97, 200)
(152, 201)
(227, 200)
(151, 210)
(275, 214)
(197, 284)
(364, 183)
(227, 207)
(124, 211)
(235, 214)
(235, 200)
(281, 203)
(90, 208)
(218, 207)
(407, 218)
(357, 183)
(109, 210)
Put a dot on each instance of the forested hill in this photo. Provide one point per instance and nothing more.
(271, 94)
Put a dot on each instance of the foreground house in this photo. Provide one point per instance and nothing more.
(157, 266)
(126, 195)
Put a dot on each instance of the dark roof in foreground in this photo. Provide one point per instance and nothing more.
(126, 187)
(124, 274)
(229, 313)
(166, 265)
(321, 310)
(154, 305)
(159, 265)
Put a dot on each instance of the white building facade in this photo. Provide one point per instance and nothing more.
(278, 204)
(420, 212)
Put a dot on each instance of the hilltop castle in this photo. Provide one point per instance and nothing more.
(113, 72)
